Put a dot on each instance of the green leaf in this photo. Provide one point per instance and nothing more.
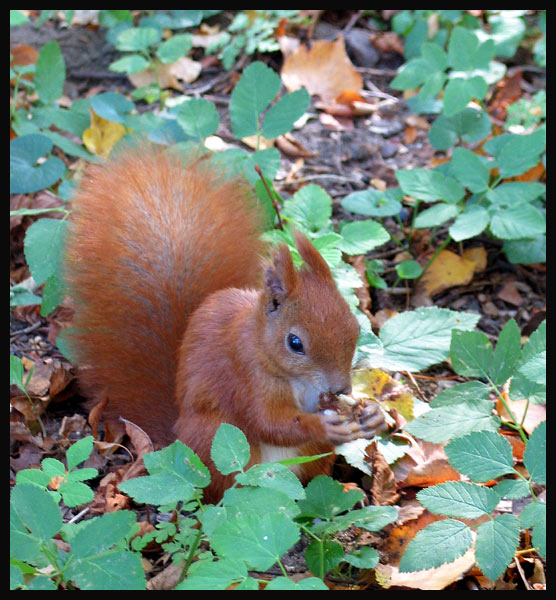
(363, 558)
(259, 500)
(472, 221)
(470, 125)
(534, 457)
(515, 192)
(133, 63)
(512, 489)
(449, 538)
(374, 203)
(409, 269)
(213, 575)
(471, 392)
(44, 248)
(429, 185)
(436, 215)
(175, 471)
(481, 455)
(521, 221)
(507, 353)
(326, 498)
(26, 175)
(16, 371)
(411, 75)
(137, 39)
(259, 539)
(310, 208)
(414, 340)
(281, 117)
(448, 422)
(534, 515)
(323, 556)
(457, 95)
(360, 237)
(516, 154)
(458, 499)
(253, 93)
(35, 518)
(75, 493)
(50, 73)
(273, 476)
(470, 353)
(497, 541)
(174, 48)
(112, 106)
(230, 449)
(469, 170)
(308, 583)
(535, 368)
(79, 452)
(198, 118)
(521, 386)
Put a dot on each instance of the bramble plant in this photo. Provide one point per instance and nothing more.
(249, 529)
(463, 416)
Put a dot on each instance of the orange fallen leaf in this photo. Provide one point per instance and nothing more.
(325, 70)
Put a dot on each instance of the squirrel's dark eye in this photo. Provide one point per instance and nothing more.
(294, 344)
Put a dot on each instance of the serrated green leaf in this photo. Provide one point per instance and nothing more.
(471, 392)
(79, 452)
(260, 540)
(534, 457)
(515, 222)
(198, 118)
(469, 170)
(481, 455)
(323, 556)
(363, 558)
(273, 476)
(213, 575)
(535, 368)
(411, 75)
(230, 449)
(253, 93)
(259, 500)
(507, 353)
(457, 95)
(512, 489)
(449, 538)
(174, 48)
(534, 515)
(360, 237)
(516, 154)
(515, 192)
(280, 118)
(53, 467)
(374, 203)
(458, 499)
(448, 422)
(496, 543)
(310, 207)
(325, 498)
(436, 215)
(470, 353)
(429, 185)
(472, 221)
(414, 340)
(307, 583)
(75, 493)
(133, 63)
(137, 39)
(470, 125)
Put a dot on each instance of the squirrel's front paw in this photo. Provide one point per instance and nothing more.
(341, 429)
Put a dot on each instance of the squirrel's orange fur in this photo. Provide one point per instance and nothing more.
(179, 328)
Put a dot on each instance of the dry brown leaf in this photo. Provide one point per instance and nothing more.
(324, 70)
(510, 294)
(536, 413)
(388, 41)
(429, 579)
(335, 123)
(291, 147)
(383, 489)
(167, 76)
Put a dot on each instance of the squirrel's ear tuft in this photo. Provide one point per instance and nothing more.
(312, 257)
(281, 279)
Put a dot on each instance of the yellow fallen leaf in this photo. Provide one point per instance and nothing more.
(102, 135)
(447, 270)
(478, 256)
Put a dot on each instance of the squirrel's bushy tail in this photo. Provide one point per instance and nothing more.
(149, 239)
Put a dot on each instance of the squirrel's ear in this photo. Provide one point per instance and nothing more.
(281, 279)
(312, 257)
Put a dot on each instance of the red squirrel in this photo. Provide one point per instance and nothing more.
(179, 328)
